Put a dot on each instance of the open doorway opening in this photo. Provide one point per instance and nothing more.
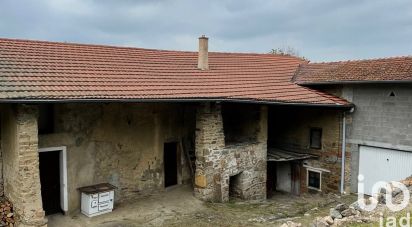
(50, 181)
(235, 191)
(271, 179)
(170, 160)
(53, 179)
(283, 176)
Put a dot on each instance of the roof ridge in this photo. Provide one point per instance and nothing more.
(139, 48)
(88, 44)
(297, 71)
(362, 60)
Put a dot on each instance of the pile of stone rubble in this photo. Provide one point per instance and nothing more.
(338, 215)
(342, 214)
(6, 213)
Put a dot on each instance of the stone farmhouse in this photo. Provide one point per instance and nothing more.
(232, 124)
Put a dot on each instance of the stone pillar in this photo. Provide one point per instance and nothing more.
(21, 164)
(259, 171)
(262, 134)
(210, 142)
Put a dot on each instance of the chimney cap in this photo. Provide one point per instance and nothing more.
(203, 37)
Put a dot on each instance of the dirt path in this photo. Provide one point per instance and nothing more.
(273, 212)
(150, 211)
(178, 207)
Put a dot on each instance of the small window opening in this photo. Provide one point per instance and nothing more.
(314, 179)
(46, 119)
(316, 138)
(392, 94)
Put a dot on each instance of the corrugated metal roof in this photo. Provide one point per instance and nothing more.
(281, 155)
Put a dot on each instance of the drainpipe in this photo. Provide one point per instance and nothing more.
(342, 179)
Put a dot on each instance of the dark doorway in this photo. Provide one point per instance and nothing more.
(295, 177)
(271, 179)
(170, 163)
(50, 181)
(234, 187)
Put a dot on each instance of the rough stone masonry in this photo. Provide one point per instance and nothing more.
(216, 162)
(21, 165)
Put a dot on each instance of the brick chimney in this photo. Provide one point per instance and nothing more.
(203, 61)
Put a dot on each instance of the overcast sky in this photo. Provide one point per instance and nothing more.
(321, 30)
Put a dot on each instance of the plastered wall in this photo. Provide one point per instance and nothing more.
(118, 143)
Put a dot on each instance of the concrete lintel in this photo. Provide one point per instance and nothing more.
(380, 144)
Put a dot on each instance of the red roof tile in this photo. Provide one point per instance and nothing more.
(374, 70)
(39, 70)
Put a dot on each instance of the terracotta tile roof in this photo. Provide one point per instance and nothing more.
(374, 70)
(39, 70)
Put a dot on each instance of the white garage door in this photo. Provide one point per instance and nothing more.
(381, 164)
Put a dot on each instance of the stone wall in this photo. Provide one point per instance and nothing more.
(289, 127)
(121, 144)
(216, 162)
(248, 161)
(20, 163)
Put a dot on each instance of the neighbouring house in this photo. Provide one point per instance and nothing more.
(379, 129)
(233, 124)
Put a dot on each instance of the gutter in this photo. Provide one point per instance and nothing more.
(338, 82)
(39, 101)
(342, 173)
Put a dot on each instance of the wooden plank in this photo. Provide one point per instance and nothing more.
(189, 162)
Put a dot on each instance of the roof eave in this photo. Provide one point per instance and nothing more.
(250, 101)
(354, 82)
